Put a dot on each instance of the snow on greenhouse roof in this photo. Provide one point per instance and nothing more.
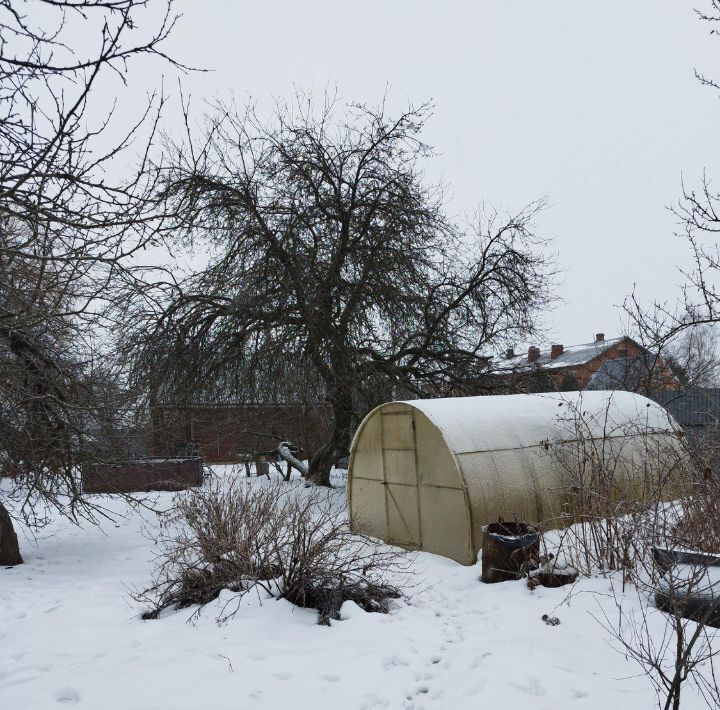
(491, 423)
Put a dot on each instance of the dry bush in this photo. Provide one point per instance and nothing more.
(615, 481)
(684, 586)
(680, 653)
(699, 526)
(623, 523)
(292, 542)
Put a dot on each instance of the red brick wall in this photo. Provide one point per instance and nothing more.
(148, 475)
(223, 433)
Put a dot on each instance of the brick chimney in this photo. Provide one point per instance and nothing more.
(509, 353)
(599, 337)
(556, 351)
(533, 353)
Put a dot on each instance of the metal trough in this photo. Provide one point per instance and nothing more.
(690, 585)
(160, 474)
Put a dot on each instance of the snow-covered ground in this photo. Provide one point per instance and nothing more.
(70, 635)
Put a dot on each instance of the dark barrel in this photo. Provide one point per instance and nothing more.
(509, 550)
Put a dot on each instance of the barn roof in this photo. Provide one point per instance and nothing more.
(473, 424)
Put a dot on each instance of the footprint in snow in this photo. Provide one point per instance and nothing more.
(532, 686)
(282, 676)
(374, 702)
(392, 661)
(477, 661)
(477, 686)
(330, 677)
(67, 695)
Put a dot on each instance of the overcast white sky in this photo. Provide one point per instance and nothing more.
(593, 104)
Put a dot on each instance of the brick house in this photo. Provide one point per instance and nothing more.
(223, 433)
(615, 363)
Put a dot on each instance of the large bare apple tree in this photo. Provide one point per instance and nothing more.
(330, 253)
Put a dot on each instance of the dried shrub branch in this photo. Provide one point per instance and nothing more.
(291, 542)
(628, 524)
(616, 478)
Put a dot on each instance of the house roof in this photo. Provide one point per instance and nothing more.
(572, 356)
(624, 372)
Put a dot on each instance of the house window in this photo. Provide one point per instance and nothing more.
(622, 352)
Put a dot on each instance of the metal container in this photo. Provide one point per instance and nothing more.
(689, 585)
(509, 551)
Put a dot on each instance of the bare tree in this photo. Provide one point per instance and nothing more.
(66, 232)
(330, 249)
(698, 223)
(694, 357)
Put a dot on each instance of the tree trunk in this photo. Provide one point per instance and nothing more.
(337, 446)
(9, 548)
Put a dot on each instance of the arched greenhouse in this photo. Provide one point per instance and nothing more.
(428, 474)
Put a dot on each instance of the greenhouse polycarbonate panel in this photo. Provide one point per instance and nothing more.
(448, 466)
(403, 518)
(446, 522)
(398, 431)
(369, 512)
(400, 467)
